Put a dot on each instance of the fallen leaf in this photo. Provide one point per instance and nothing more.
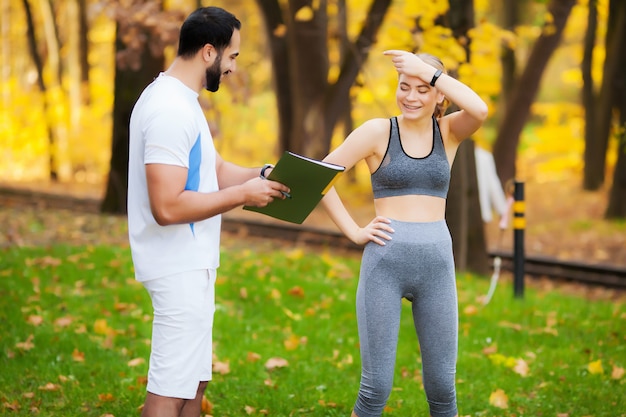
(13, 406)
(49, 387)
(136, 362)
(63, 321)
(207, 406)
(499, 399)
(253, 357)
(521, 367)
(296, 292)
(27, 344)
(292, 342)
(470, 310)
(510, 325)
(106, 397)
(617, 372)
(221, 368)
(35, 320)
(595, 367)
(275, 294)
(273, 363)
(243, 293)
(101, 327)
(491, 349)
(249, 409)
(78, 356)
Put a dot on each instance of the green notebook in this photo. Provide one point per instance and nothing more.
(308, 179)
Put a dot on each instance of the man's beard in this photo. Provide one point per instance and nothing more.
(214, 75)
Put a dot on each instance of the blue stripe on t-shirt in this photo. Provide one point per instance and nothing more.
(193, 173)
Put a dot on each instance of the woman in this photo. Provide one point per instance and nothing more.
(409, 157)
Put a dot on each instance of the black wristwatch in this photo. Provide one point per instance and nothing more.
(265, 167)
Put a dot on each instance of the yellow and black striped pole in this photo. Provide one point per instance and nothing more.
(519, 225)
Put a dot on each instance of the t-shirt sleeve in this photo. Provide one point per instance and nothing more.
(170, 135)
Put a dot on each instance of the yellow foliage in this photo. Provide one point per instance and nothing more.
(243, 115)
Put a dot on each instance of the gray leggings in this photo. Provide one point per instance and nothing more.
(416, 264)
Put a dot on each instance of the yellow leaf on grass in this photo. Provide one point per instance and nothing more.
(101, 327)
(275, 294)
(249, 409)
(292, 342)
(595, 367)
(253, 357)
(499, 399)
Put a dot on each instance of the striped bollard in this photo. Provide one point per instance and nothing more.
(519, 224)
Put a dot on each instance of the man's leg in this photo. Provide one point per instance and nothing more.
(192, 408)
(158, 406)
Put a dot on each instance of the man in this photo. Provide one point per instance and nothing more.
(178, 188)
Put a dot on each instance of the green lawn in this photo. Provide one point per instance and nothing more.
(76, 329)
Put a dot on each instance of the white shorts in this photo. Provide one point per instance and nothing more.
(181, 354)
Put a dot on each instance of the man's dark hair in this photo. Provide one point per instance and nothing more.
(206, 25)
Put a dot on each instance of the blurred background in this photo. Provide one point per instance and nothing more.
(551, 71)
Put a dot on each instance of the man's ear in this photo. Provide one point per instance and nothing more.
(209, 53)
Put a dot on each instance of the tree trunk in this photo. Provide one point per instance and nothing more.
(617, 197)
(523, 95)
(83, 50)
(34, 52)
(129, 83)
(463, 206)
(510, 20)
(276, 29)
(597, 144)
(463, 213)
(589, 96)
(355, 57)
(308, 60)
(309, 107)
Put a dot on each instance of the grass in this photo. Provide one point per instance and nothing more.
(76, 329)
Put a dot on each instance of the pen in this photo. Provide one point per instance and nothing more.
(285, 193)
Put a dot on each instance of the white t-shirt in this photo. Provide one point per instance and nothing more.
(167, 126)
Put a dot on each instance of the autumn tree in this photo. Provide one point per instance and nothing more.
(38, 60)
(599, 117)
(526, 86)
(309, 105)
(143, 31)
(617, 197)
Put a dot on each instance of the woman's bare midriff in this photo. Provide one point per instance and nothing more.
(411, 208)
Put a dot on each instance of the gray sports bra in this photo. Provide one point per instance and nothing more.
(401, 174)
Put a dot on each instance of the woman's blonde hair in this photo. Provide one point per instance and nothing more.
(432, 60)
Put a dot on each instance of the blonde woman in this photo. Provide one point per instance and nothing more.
(408, 249)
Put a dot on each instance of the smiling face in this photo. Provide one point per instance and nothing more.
(416, 98)
(223, 64)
